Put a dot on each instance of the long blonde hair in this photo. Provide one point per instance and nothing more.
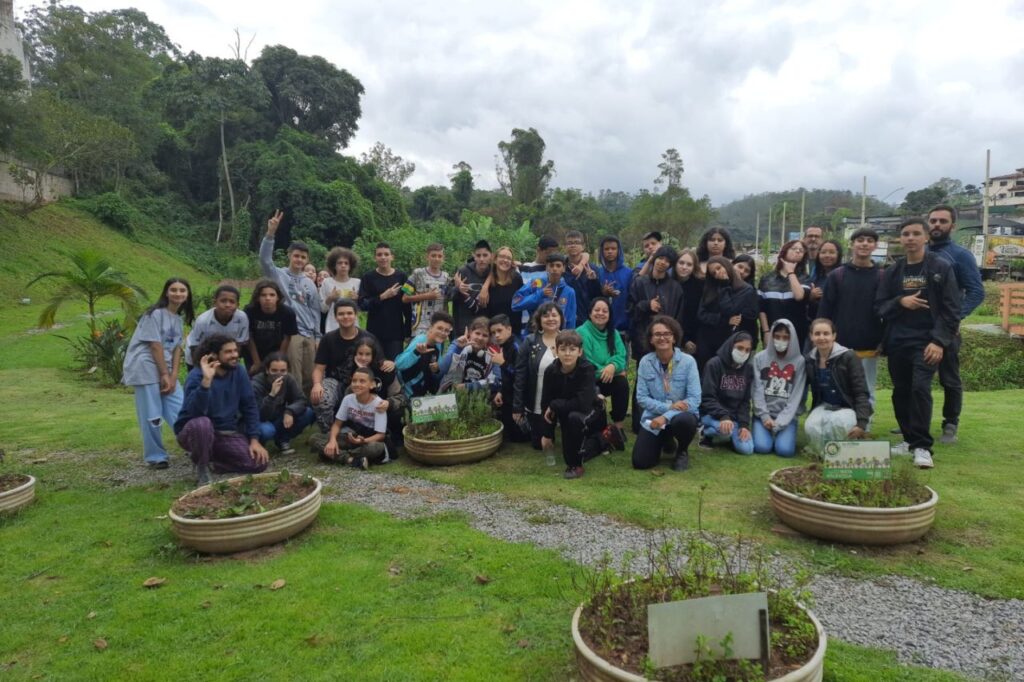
(494, 266)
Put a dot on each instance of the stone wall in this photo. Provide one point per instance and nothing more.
(54, 186)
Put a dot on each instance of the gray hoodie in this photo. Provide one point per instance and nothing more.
(779, 381)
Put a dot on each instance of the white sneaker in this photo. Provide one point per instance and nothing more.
(901, 449)
(923, 459)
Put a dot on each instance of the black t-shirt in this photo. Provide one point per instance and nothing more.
(386, 319)
(268, 330)
(913, 325)
(338, 355)
(500, 302)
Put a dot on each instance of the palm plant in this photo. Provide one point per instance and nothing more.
(91, 279)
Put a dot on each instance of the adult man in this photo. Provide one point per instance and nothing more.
(468, 280)
(941, 223)
(335, 360)
(812, 242)
(551, 286)
(849, 301)
(578, 273)
(615, 278)
(380, 294)
(919, 299)
(301, 295)
(219, 423)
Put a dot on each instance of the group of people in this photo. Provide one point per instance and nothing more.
(549, 340)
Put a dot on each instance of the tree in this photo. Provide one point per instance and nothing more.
(522, 172)
(671, 168)
(434, 203)
(462, 183)
(920, 200)
(388, 166)
(12, 93)
(673, 212)
(91, 280)
(571, 209)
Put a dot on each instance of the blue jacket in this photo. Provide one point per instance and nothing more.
(229, 402)
(414, 369)
(621, 277)
(531, 295)
(968, 276)
(684, 384)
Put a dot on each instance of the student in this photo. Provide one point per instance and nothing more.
(386, 385)
(504, 282)
(783, 295)
(219, 423)
(504, 354)
(715, 242)
(310, 271)
(359, 430)
(419, 365)
(380, 295)
(340, 283)
(536, 354)
(151, 365)
(284, 410)
(604, 348)
(578, 273)
(778, 392)
(467, 283)
(691, 281)
(271, 324)
(650, 245)
(427, 289)
(467, 364)
(919, 299)
(668, 392)
(301, 295)
(830, 257)
(727, 305)
(569, 399)
(549, 288)
(840, 404)
(745, 266)
(725, 395)
(223, 318)
(615, 278)
(334, 363)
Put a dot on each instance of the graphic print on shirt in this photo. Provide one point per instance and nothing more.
(778, 381)
(733, 382)
(476, 365)
(916, 281)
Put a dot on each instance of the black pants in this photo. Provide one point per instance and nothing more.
(618, 390)
(537, 429)
(581, 434)
(637, 410)
(949, 377)
(647, 448)
(912, 393)
(392, 347)
(512, 433)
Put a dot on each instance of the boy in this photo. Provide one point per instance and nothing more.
(419, 364)
(427, 289)
(578, 273)
(615, 278)
(223, 318)
(569, 397)
(284, 412)
(549, 287)
(335, 360)
(380, 295)
(468, 281)
(468, 364)
(361, 426)
(504, 351)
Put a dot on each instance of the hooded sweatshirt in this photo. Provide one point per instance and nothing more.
(725, 391)
(779, 381)
(620, 277)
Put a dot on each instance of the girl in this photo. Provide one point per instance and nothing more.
(830, 257)
(783, 294)
(715, 242)
(503, 284)
(691, 279)
(369, 355)
(725, 395)
(745, 266)
(535, 356)
(778, 392)
(727, 305)
(151, 365)
(840, 402)
(271, 324)
(604, 348)
(341, 262)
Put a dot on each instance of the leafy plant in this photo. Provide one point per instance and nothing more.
(102, 352)
(475, 419)
(902, 490)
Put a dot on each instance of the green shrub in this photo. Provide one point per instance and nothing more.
(988, 362)
(114, 210)
(101, 353)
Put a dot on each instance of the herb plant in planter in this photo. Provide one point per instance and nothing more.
(474, 435)
(246, 512)
(16, 490)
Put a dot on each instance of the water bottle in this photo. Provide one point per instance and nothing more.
(550, 457)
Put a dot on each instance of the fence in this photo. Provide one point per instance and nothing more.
(1011, 305)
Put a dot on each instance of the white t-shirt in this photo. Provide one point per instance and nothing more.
(347, 289)
(421, 281)
(160, 325)
(206, 325)
(366, 415)
(545, 362)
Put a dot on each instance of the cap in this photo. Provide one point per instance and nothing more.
(653, 234)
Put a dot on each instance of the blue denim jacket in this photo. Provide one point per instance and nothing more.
(683, 382)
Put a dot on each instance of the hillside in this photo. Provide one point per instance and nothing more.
(822, 207)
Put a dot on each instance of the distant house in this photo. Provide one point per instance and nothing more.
(1006, 190)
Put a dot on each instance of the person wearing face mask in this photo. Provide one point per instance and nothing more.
(284, 411)
(725, 395)
(779, 380)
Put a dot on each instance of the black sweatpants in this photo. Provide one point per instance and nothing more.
(949, 377)
(637, 410)
(581, 434)
(912, 393)
(618, 390)
(648, 445)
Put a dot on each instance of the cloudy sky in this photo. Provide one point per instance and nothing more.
(756, 96)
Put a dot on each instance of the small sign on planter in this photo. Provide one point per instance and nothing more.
(434, 408)
(673, 628)
(858, 460)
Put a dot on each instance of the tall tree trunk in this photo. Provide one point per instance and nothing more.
(227, 172)
(220, 209)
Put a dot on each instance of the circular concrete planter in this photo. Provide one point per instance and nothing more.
(14, 499)
(853, 525)
(446, 452)
(593, 668)
(223, 536)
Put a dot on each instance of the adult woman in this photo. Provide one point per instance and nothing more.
(691, 280)
(783, 295)
(727, 305)
(603, 346)
(341, 262)
(151, 365)
(715, 242)
(504, 282)
(535, 355)
(668, 392)
(840, 402)
(830, 257)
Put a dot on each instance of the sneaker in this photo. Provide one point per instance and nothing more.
(573, 472)
(359, 463)
(923, 459)
(948, 434)
(901, 449)
(202, 475)
(162, 464)
(615, 437)
(682, 462)
(286, 448)
(705, 443)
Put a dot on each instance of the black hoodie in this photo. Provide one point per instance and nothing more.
(725, 390)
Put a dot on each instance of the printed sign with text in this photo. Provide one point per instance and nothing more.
(858, 460)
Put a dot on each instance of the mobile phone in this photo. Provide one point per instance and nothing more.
(493, 348)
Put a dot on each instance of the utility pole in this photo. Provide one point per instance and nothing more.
(782, 230)
(757, 235)
(984, 194)
(769, 246)
(803, 204)
(864, 202)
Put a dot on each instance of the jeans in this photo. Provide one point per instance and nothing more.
(153, 409)
(275, 430)
(711, 426)
(782, 442)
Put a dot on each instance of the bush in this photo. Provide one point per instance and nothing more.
(988, 362)
(113, 210)
(102, 353)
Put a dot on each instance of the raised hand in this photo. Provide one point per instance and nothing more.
(656, 304)
(915, 302)
(276, 387)
(274, 222)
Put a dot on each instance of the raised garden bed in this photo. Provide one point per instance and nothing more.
(16, 491)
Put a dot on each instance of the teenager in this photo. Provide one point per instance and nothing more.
(615, 279)
(830, 257)
(783, 295)
(386, 385)
(715, 243)
(358, 434)
(335, 362)
(467, 283)
(467, 364)
(427, 289)
(745, 266)
(339, 283)
(727, 305)
(650, 245)
(778, 392)
(301, 295)
(669, 393)
(569, 399)
(152, 363)
(536, 354)
(840, 404)
(545, 247)
(380, 295)
(579, 274)
(419, 365)
(691, 281)
(271, 324)
(919, 299)
(284, 411)
(223, 318)
(505, 281)
(548, 288)
(725, 395)
(504, 354)
(604, 348)
(219, 423)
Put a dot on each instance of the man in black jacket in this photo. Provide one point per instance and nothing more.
(919, 299)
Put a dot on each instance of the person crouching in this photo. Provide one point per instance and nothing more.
(284, 411)
(359, 430)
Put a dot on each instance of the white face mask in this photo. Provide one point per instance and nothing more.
(780, 346)
(739, 356)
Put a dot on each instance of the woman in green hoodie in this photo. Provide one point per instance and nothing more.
(605, 349)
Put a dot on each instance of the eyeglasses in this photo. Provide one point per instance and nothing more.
(573, 242)
(662, 335)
